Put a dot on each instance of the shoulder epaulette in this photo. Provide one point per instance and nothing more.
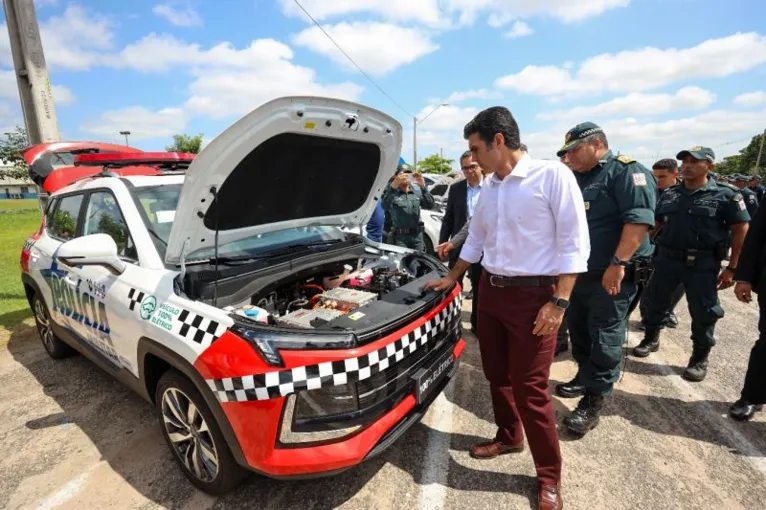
(625, 159)
(727, 185)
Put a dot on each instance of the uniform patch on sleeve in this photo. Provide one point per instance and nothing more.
(639, 179)
(740, 202)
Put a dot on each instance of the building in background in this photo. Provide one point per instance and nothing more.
(11, 188)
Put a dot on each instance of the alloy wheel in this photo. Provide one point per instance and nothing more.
(189, 434)
(44, 325)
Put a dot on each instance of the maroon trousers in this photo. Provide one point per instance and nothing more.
(517, 365)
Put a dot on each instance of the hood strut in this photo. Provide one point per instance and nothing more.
(214, 192)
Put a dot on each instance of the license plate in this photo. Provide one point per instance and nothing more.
(427, 379)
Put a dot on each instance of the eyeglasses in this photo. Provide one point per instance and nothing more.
(473, 166)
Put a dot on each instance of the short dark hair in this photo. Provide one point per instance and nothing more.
(493, 120)
(466, 154)
(523, 147)
(666, 164)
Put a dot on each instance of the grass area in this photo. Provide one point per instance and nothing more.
(15, 228)
(25, 203)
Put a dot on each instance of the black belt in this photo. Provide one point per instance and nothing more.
(497, 280)
(406, 231)
(683, 254)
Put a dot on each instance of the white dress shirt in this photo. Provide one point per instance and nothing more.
(472, 197)
(530, 223)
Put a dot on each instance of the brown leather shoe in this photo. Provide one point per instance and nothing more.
(549, 498)
(492, 449)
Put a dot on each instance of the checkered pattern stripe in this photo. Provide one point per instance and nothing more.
(198, 328)
(333, 373)
(134, 298)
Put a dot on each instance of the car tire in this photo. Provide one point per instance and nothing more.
(197, 442)
(52, 344)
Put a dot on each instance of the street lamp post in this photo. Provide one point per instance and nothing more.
(415, 123)
(125, 134)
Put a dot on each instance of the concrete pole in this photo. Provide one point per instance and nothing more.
(31, 71)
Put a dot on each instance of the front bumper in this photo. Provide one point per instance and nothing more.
(396, 403)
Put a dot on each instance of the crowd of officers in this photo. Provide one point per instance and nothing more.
(655, 235)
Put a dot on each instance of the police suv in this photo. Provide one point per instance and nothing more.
(267, 337)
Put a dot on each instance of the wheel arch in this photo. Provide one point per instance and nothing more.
(30, 287)
(154, 359)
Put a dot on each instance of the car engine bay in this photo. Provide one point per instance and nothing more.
(333, 292)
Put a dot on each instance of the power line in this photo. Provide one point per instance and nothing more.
(351, 59)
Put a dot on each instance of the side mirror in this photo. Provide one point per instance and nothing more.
(92, 250)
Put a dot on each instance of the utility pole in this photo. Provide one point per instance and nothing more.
(415, 123)
(125, 134)
(31, 72)
(760, 151)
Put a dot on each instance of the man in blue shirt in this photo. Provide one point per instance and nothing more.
(375, 225)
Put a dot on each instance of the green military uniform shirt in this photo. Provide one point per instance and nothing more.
(751, 200)
(618, 191)
(699, 219)
(404, 207)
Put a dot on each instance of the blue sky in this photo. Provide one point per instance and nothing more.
(658, 75)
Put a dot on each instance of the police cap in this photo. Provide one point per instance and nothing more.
(575, 135)
(698, 153)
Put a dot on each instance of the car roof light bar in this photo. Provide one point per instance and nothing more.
(180, 159)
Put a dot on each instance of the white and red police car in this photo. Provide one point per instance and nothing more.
(268, 339)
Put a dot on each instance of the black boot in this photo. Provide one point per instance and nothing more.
(571, 389)
(586, 416)
(671, 321)
(650, 344)
(742, 410)
(697, 368)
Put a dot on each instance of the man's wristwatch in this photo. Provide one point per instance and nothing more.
(560, 302)
(617, 262)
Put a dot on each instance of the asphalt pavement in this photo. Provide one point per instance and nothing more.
(74, 438)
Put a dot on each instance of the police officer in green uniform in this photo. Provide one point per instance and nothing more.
(402, 200)
(696, 217)
(620, 197)
(751, 199)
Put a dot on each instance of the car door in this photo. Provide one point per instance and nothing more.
(61, 225)
(102, 293)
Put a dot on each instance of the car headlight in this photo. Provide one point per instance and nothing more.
(267, 341)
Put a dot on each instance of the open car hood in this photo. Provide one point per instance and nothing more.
(291, 162)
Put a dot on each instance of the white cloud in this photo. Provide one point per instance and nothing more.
(142, 123)
(422, 11)
(519, 29)
(446, 118)
(62, 96)
(647, 140)
(642, 69)
(637, 103)
(378, 48)
(178, 15)
(445, 13)
(751, 98)
(229, 81)
(463, 95)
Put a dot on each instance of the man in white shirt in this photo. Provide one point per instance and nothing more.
(530, 225)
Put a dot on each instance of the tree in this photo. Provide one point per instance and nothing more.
(435, 164)
(744, 162)
(10, 154)
(186, 143)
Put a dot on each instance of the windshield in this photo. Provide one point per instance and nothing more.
(160, 202)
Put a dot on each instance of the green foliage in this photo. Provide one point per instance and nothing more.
(744, 162)
(186, 143)
(10, 154)
(435, 164)
(15, 228)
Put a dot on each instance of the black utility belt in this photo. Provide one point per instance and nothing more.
(407, 231)
(691, 256)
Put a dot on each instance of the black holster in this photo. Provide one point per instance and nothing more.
(640, 271)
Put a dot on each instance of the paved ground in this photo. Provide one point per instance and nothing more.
(73, 438)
